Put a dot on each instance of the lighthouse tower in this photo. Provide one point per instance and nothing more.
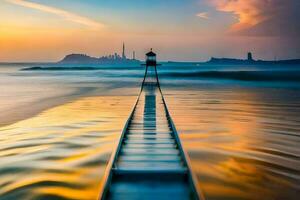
(151, 76)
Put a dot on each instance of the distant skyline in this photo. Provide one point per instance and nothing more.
(190, 30)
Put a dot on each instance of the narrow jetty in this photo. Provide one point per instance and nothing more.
(149, 162)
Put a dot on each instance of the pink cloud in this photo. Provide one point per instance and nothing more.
(262, 17)
(202, 15)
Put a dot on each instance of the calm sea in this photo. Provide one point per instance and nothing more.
(240, 126)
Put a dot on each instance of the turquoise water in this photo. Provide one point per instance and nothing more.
(239, 125)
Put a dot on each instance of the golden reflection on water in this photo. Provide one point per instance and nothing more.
(62, 152)
(231, 151)
(241, 145)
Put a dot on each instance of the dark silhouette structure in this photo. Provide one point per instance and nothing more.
(151, 59)
(123, 52)
(250, 56)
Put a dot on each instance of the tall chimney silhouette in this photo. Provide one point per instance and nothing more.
(123, 52)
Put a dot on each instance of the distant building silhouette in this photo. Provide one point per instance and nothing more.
(110, 59)
(250, 57)
(123, 52)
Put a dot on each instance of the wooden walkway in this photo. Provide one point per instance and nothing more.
(149, 162)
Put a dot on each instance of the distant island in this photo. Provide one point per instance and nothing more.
(110, 59)
(251, 61)
(117, 59)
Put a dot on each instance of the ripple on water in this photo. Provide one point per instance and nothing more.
(243, 143)
(61, 153)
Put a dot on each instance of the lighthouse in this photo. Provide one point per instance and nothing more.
(151, 76)
(151, 59)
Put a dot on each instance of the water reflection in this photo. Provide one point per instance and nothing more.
(61, 153)
(243, 144)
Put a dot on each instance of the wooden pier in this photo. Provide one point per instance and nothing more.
(149, 162)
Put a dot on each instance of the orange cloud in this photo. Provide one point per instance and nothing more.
(59, 12)
(263, 17)
(248, 12)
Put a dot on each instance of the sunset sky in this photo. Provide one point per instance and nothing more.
(187, 30)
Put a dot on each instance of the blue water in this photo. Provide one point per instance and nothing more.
(192, 73)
